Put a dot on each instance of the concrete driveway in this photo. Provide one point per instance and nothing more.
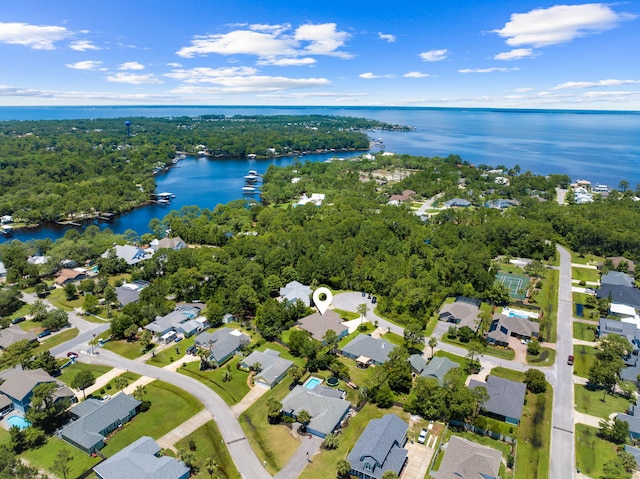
(419, 458)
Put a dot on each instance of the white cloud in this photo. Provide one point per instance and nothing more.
(131, 66)
(209, 75)
(600, 94)
(32, 36)
(434, 55)
(524, 89)
(516, 54)
(559, 24)
(592, 84)
(415, 75)
(370, 76)
(288, 62)
(272, 43)
(83, 45)
(386, 37)
(487, 70)
(174, 65)
(134, 79)
(252, 84)
(86, 65)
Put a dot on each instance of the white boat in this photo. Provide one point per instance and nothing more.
(248, 189)
(251, 178)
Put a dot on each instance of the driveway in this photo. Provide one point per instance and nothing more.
(419, 458)
(520, 350)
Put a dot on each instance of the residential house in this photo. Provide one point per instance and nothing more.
(630, 331)
(456, 203)
(38, 260)
(315, 198)
(632, 417)
(132, 255)
(3, 270)
(130, 292)
(326, 412)
(141, 459)
(380, 448)
(13, 334)
(273, 368)
(501, 204)
(318, 324)
(620, 294)
(94, 419)
(462, 312)
(616, 260)
(635, 452)
(417, 362)
(20, 384)
(168, 243)
(222, 344)
(617, 278)
(506, 398)
(294, 291)
(181, 320)
(402, 198)
(503, 327)
(466, 459)
(438, 367)
(367, 350)
(67, 275)
(229, 318)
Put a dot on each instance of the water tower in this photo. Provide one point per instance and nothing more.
(128, 125)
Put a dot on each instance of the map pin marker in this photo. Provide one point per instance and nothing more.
(322, 304)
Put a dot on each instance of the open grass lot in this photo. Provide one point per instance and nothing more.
(129, 350)
(324, 463)
(590, 402)
(580, 258)
(70, 372)
(170, 354)
(59, 300)
(592, 453)
(534, 435)
(209, 443)
(170, 407)
(547, 301)
(497, 352)
(232, 391)
(584, 358)
(585, 274)
(44, 457)
(586, 332)
(546, 357)
(273, 444)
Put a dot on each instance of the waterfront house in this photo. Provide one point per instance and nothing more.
(326, 412)
(273, 368)
(95, 419)
(222, 344)
(380, 448)
(168, 243)
(506, 398)
(466, 459)
(132, 255)
(141, 459)
(20, 383)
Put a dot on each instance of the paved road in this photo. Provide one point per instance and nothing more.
(562, 461)
(351, 301)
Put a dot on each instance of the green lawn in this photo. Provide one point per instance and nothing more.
(546, 357)
(347, 315)
(584, 358)
(58, 299)
(580, 258)
(547, 301)
(324, 463)
(209, 443)
(55, 340)
(347, 339)
(70, 372)
(592, 453)
(590, 402)
(170, 407)
(510, 374)
(490, 351)
(586, 332)
(394, 338)
(129, 350)
(44, 457)
(454, 357)
(273, 444)
(534, 435)
(585, 274)
(232, 391)
(284, 353)
(110, 387)
(171, 354)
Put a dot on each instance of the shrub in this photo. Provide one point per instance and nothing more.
(102, 391)
(109, 386)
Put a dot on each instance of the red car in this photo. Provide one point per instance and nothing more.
(72, 355)
(570, 360)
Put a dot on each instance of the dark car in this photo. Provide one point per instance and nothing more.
(18, 320)
(191, 350)
(570, 360)
(72, 355)
(44, 333)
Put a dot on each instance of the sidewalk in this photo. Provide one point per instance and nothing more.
(101, 382)
(252, 396)
(169, 440)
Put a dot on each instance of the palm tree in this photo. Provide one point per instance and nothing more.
(140, 391)
(433, 342)
(211, 466)
(304, 418)
(121, 383)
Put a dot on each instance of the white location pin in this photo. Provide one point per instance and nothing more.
(322, 304)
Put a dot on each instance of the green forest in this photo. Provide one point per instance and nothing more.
(72, 169)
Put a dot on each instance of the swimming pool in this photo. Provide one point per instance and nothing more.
(312, 382)
(18, 421)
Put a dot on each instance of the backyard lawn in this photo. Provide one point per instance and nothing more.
(44, 457)
(273, 444)
(590, 402)
(168, 402)
(584, 359)
(592, 453)
(209, 443)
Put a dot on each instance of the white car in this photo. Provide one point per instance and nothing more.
(422, 437)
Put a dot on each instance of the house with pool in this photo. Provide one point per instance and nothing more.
(19, 386)
(327, 412)
(515, 325)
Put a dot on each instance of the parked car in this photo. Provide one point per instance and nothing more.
(422, 437)
(570, 360)
(191, 350)
(44, 333)
(178, 339)
(18, 320)
(72, 355)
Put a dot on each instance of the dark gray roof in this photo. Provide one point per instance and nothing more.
(466, 459)
(456, 202)
(620, 294)
(138, 461)
(86, 430)
(380, 446)
(617, 278)
(20, 384)
(506, 397)
(635, 452)
(438, 367)
(502, 327)
(318, 324)
(464, 311)
(373, 348)
(13, 334)
(325, 412)
(127, 295)
(223, 342)
(417, 362)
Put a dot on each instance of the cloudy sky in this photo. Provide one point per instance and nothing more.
(454, 53)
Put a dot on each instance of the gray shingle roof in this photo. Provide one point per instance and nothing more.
(139, 461)
(325, 412)
(438, 367)
(174, 319)
(503, 327)
(380, 445)
(616, 278)
(318, 324)
(464, 312)
(13, 334)
(295, 290)
(223, 342)
(365, 345)
(465, 459)
(20, 384)
(273, 366)
(417, 362)
(86, 431)
(506, 398)
(620, 294)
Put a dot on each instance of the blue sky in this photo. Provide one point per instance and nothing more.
(506, 54)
